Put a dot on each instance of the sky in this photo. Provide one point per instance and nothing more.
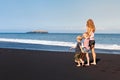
(59, 16)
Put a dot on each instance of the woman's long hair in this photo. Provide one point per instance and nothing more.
(90, 26)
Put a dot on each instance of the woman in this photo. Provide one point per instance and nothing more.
(91, 30)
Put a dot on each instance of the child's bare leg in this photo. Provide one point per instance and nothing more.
(82, 62)
(78, 63)
(88, 59)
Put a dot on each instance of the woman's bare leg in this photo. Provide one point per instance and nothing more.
(94, 56)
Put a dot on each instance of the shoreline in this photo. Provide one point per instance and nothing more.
(40, 47)
(20, 64)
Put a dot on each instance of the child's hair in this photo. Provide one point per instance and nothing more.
(86, 33)
(79, 37)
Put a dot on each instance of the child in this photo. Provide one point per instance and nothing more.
(78, 52)
(86, 47)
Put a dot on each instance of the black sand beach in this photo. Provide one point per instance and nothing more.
(18, 64)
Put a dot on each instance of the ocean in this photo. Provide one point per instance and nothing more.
(105, 43)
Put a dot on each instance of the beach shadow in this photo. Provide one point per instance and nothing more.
(97, 60)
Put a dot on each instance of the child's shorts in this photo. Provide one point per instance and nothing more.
(85, 50)
(77, 56)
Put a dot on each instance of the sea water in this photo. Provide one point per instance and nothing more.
(105, 43)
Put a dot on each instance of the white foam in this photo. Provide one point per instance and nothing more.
(44, 42)
(108, 46)
(59, 43)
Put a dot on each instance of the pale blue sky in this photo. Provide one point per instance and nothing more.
(67, 16)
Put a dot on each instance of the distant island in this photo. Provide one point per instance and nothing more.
(38, 31)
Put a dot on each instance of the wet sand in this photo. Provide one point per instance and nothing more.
(17, 64)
